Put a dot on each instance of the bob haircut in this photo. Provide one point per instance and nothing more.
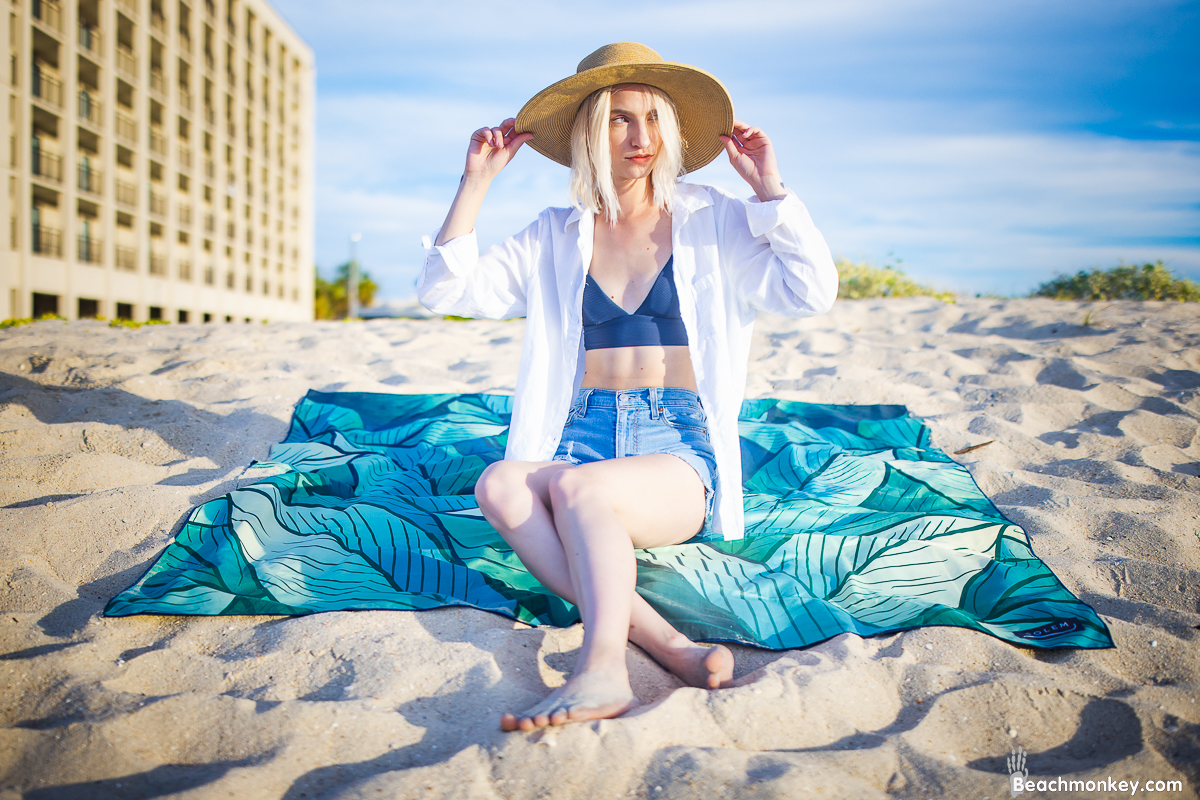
(591, 161)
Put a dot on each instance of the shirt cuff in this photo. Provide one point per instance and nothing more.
(765, 216)
(456, 253)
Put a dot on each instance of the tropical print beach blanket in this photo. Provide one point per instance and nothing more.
(853, 523)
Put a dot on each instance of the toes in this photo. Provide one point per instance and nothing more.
(560, 717)
(508, 723)
(526, 725)
(542, 720)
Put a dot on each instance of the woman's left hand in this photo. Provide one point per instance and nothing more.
(753, 156)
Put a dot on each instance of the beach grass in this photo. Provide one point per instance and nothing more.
(1123, 282)
(863, 281)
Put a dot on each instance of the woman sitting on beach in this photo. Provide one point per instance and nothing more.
(639, 303)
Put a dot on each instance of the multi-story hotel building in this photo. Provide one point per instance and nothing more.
(160, 162)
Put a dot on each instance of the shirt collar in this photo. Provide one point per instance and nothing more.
(690, 198)
(576, 215)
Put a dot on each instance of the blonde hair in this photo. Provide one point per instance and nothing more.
(591, 160)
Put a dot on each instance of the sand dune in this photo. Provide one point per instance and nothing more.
(108, 436)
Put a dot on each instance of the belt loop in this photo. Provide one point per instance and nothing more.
(583, 401)
(654, 398)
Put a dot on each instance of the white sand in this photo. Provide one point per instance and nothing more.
(108, 436)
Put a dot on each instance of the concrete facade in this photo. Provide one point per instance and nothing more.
(160, 162)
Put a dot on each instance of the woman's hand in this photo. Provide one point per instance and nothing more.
(489, 152)
(753, 156)
(491, 149)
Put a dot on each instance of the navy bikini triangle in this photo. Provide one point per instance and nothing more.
(657, 321)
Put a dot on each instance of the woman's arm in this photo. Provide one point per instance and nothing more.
(456, 279)
(489, 152)
(778, 260)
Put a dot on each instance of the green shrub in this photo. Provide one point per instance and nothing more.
(1147, 282)
(863, 281)
(123, 323)
(15, 321)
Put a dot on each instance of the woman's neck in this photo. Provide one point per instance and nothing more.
(635, 198)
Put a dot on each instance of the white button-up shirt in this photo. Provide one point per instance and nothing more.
(732, 258)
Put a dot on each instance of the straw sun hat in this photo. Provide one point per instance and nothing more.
(703, 104)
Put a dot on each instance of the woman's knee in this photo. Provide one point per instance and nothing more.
(500, 489)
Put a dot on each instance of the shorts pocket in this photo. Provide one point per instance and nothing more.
(572, 415)
(686, 418)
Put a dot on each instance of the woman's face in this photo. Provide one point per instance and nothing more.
(632, 133)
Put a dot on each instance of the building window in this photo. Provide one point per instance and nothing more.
(44, 304)
(88, 309)
(156, 312)
(124, 310)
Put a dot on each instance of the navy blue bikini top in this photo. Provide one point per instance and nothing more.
(657, 321)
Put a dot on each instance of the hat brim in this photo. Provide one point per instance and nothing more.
(702, 104)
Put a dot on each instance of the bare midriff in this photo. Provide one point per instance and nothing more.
(641, 367)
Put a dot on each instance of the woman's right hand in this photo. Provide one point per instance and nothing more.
(489, 152)
(491, 149)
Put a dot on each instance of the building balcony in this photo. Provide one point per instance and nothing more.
(126, 61)
(185, 98)
(91, 180)
(185, 214)
(185, 156)
(46, 87)
(158, 22)
(158, 82)
(126, 128)
(158, 204)
(185, 41)
(126, 258)
(158, 142)
(89, 39)
(47, 241)
(91, 250)
(91, 110)
(185, 271)
(210, 223)
(210, 169)
(158, 264)
(48, 15)
(130, 7)
(47, 166)
(126, 194)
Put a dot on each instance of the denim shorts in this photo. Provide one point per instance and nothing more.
(604, 424)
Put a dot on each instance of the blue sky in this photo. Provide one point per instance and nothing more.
(984, 147)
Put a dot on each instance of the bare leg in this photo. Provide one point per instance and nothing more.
(516, 499)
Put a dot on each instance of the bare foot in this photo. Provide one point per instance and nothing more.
(588, 695)
(702, 667)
